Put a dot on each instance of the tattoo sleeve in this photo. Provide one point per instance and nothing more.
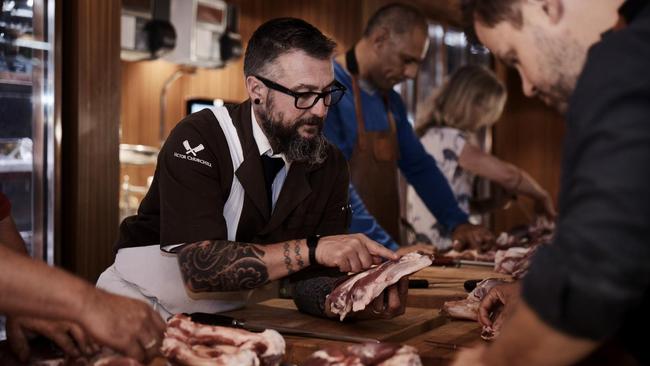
(219, 265)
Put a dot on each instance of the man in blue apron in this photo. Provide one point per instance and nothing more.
(371, 128)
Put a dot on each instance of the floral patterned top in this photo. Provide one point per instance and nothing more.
(445, 145)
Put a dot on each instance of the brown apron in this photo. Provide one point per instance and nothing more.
(373, 168)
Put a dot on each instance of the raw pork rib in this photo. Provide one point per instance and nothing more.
(366, 354)
(359, 290)
(116, 361)
(505, 261)
(468, 308)
(471, 255)
(514, 261)
(193, 344)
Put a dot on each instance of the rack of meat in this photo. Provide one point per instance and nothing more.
(468, 308)
(360, 289)
(366, 354)
(192, 344)
(513, 250)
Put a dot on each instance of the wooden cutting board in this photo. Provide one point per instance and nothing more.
(445, 284)
(439, 346)
(282, 312)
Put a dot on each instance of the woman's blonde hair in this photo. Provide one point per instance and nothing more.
(469, 99)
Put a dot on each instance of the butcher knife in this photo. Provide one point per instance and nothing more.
(446, 261)
(229, 321)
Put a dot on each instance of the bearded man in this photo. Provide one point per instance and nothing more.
(251, 193)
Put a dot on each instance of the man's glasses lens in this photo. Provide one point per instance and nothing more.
(308, 100)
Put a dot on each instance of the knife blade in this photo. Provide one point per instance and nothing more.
(476, 263)
(229, 321)
(446, 261)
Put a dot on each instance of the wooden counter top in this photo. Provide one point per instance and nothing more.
(419, 326)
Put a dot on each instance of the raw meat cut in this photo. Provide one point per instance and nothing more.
(359, 290)
(194, 344)
(366, 354)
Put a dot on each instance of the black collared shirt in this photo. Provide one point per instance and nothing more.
(594, 280)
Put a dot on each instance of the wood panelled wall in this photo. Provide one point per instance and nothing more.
(142, 81)
(529, 135)
(90, 123)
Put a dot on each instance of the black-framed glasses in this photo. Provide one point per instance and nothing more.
(306, 100)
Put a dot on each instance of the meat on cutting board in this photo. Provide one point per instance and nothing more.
(193, 344)
(471, 255)
(359, 290)
(366, 354)
(468, 308)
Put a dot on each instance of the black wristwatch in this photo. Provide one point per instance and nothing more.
(312, 243)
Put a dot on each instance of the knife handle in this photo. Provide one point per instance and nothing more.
(470, 285)
(418, 284)
(214, 319)
(444, 261)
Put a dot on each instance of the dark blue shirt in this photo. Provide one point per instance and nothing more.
(594, 280)
(418, 167)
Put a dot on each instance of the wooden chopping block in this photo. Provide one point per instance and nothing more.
(439, 346)
(446, 284)
(282, 312)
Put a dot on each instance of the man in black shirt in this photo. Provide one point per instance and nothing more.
(592, 284)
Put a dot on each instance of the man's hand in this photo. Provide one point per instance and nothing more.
(351, 253)
(125, 325)
(473, 236)
(544, 205)
(526, 340)
(417, 247)
(68, 336)
(389, 304)
(501, 296)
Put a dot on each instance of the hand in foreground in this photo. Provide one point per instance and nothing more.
(351, 253)
(499, 300)
(389, 304)
(128, 326)
(68, 336)
(470, 357)
(472, 236)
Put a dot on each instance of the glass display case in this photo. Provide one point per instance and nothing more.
(27, 139)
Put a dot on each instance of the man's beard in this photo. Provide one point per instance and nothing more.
(287, 139)
(563, 61)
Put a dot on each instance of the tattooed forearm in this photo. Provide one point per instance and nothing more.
(299, 260)
(287, 257)
(220, 265)
(288, 262)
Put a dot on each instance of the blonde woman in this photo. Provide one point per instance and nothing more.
(471, 99)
